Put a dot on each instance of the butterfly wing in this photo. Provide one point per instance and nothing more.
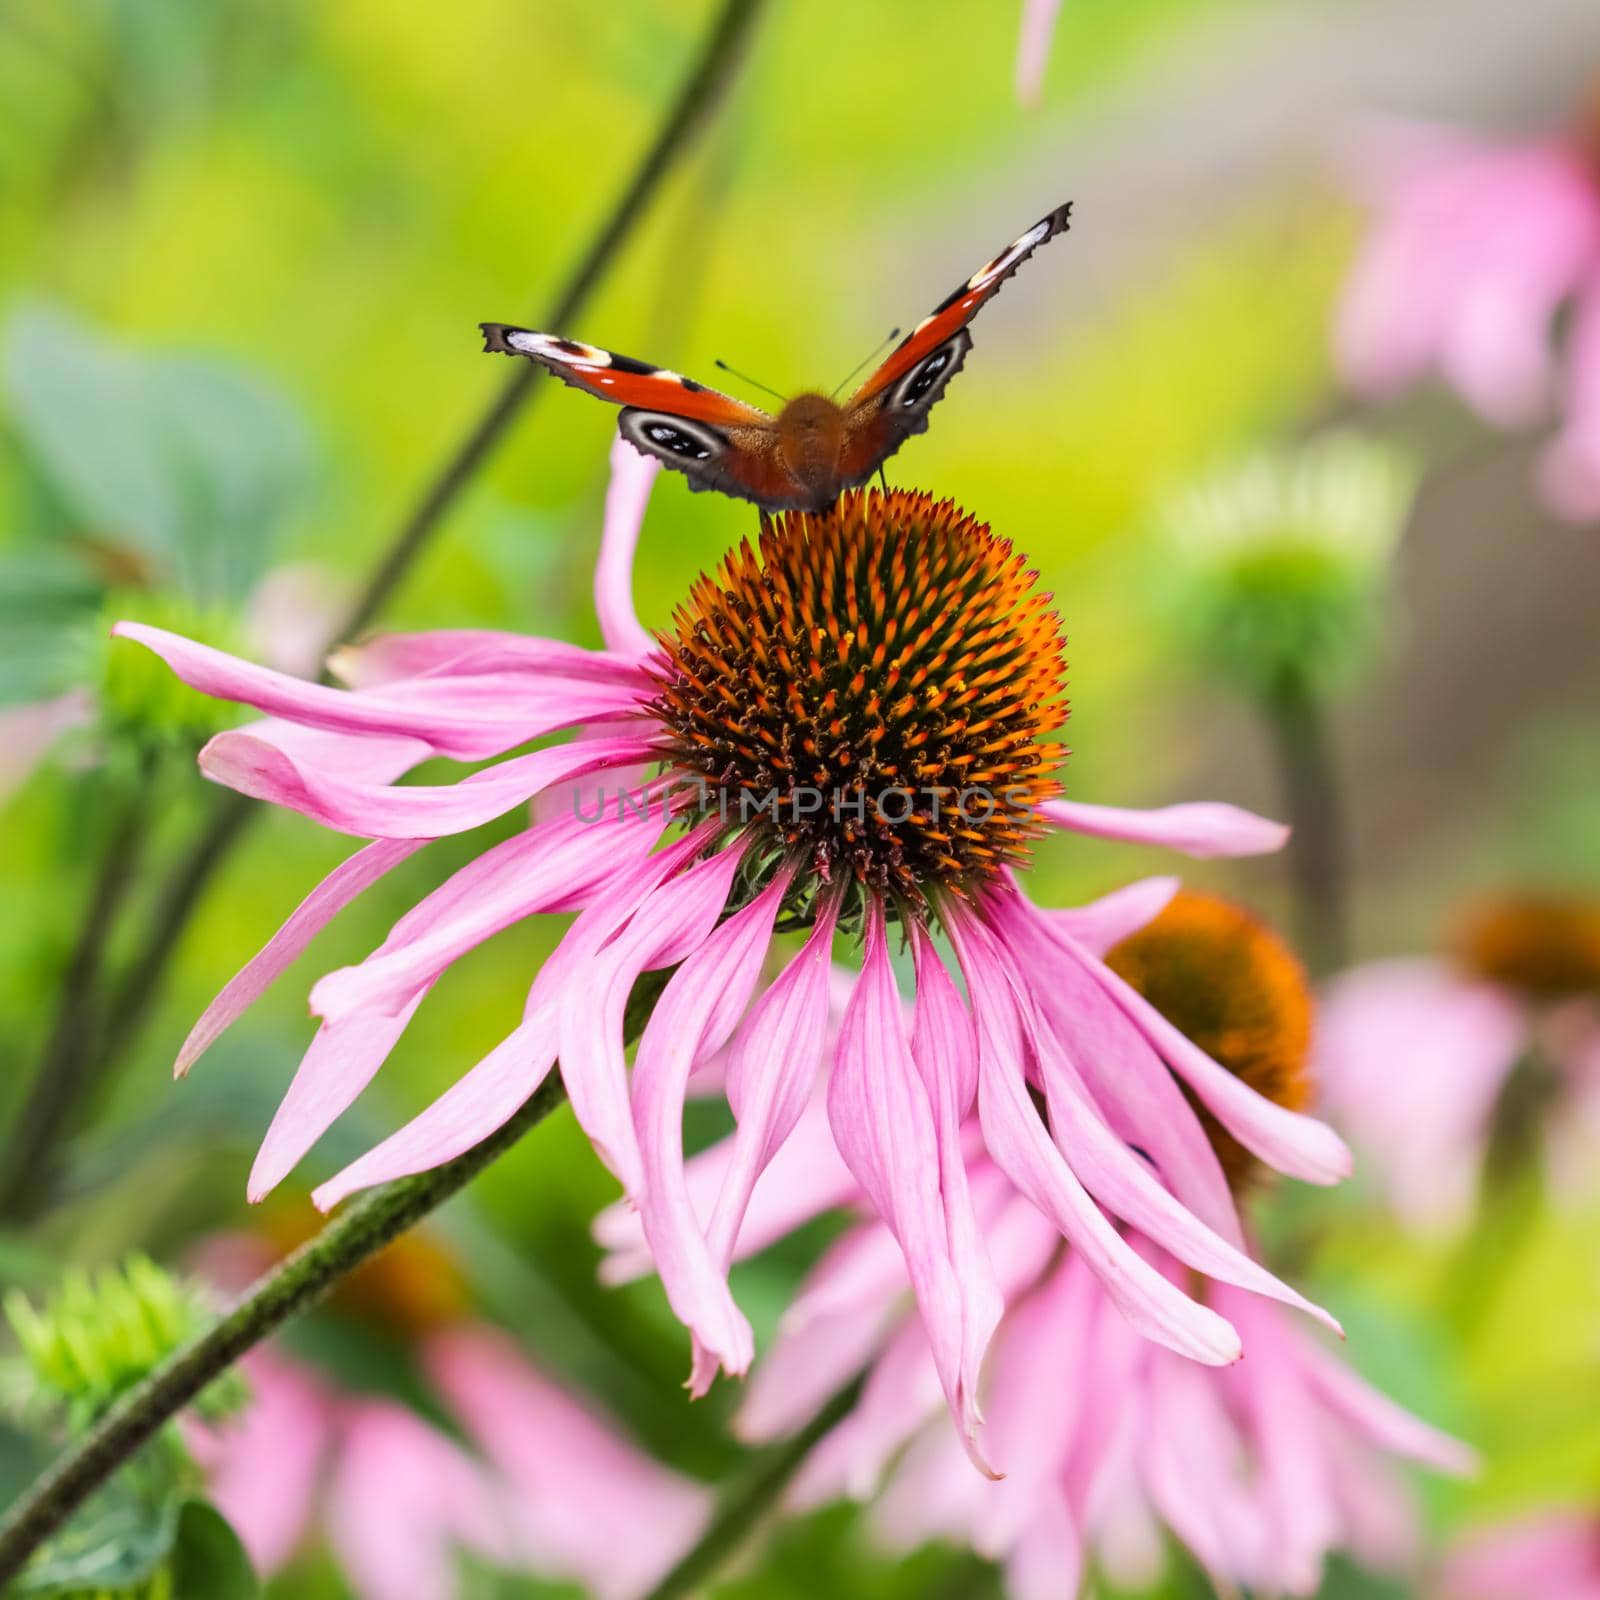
(717, 442)
(894, 401)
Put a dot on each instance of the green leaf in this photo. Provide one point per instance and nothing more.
(194, 462)
(208, 1559)
(120, 1538)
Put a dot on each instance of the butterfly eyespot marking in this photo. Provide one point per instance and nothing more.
(672, 438)
(921, 385)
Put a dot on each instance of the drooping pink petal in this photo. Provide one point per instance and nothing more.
(261, 1468)
(1199, 828)
(695, 1015)
(403, 1498)
(413, 811)
(627, 495)
(773, 1067)
(1282, 1420)
(1375, 1418)
(668, 916)
(1021, 1146)
(552, 866)
(804, 1178)
(353, 875)
(1292, 1142)
(360, 757)
(1128, 1081)
(478, 1103)
(341, 1061)
(1114, 917)
(1033, 47)
(884, 1125)
(589, 1506)
(470, 718)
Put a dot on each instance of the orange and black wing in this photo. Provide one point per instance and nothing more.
(894, 402)
(717, 442)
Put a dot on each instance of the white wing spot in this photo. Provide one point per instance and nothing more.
(1009, 257)
(567, 351)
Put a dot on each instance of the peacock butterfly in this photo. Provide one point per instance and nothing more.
(814, 448)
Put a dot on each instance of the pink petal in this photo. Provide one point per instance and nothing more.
(776, 1056)
(469, 718)
(857, 1289)
(253, 767)
(804, 1178)
(261, 1468)
(590, 1506)
(639, 927)
(343, 1059)
(550, 867)
(1021, 1146)
(473, 652)
(1377, 1419)
(477, 1104)
(1198, 828)
(632, 475)
(1569, 473)
(1424, 1129)
(1113, 917)
(1033, 48)
(1294, 1143)
(356, 873)
(1550, 1555)
(1128, 1081)
(28, 731)
(884, 1124)
(403, 1497)
(695, 1015)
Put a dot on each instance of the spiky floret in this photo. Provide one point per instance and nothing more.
(872, 687)
(1545, 943)
(1230, 983)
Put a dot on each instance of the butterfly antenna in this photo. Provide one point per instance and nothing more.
(893, 334)
(755, 383)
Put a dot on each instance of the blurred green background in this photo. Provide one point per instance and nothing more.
(245, 247)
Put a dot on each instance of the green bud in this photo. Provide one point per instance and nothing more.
(140, 696)
(1282, 562)
(101, 1333)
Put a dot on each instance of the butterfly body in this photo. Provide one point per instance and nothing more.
(815, 448)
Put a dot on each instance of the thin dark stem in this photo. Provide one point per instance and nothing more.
(753, 1497)
(1297, 724)
(293, 1286)
(94, 1044)
(64, 1064)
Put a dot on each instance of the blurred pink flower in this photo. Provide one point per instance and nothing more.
(1462, 1028)
(542, 1483)
(1261, 1469)
(1551, 1556)
(973, 677)
(27, 733)
(1476, 247)
(1033, 47)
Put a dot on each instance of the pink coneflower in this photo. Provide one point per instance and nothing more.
(848, 730)
(1554, 1556)
(1478, 246)
(533, 1480)
(1516, 1000)
(1260, 1469)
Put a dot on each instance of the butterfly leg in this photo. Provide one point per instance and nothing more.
(883, 482)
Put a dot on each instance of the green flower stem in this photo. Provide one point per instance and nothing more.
(1296, 722)
(291, 1287)
(95, 1045)
(64, 1063)
(752, 1498)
